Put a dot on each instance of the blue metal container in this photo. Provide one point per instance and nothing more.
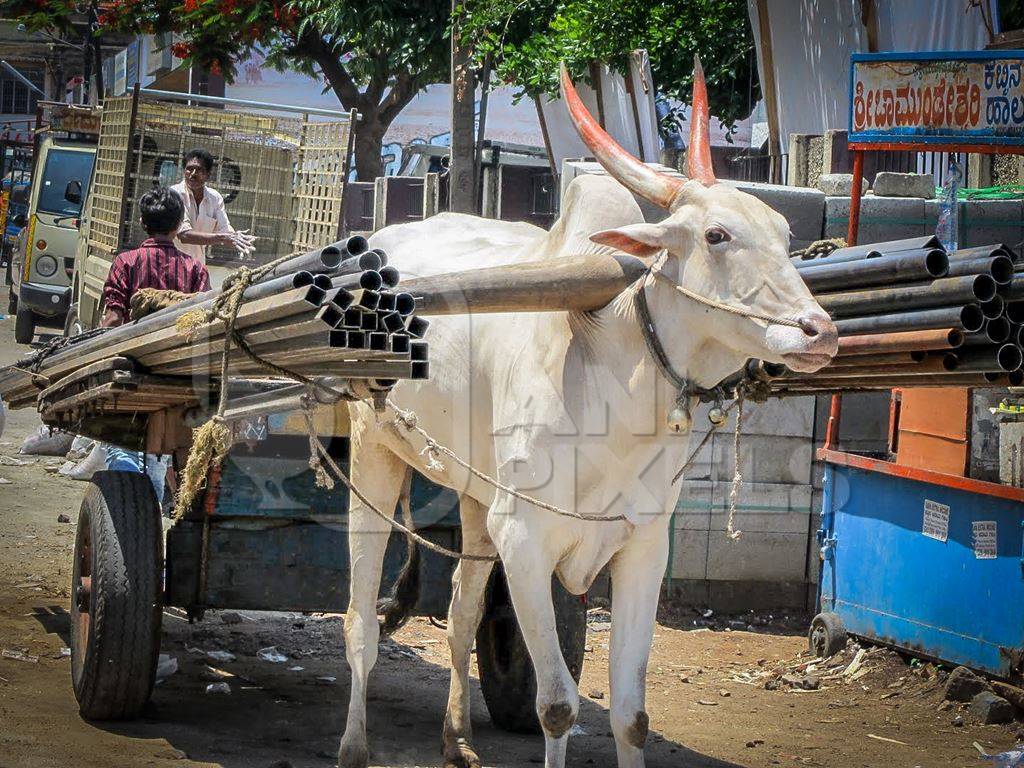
(925, 562)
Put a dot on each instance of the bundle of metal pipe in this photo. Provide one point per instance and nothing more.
(910, 314)
(335, 311)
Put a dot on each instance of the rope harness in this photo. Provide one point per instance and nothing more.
(211, 441)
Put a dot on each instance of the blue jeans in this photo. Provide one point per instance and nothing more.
(121, 459)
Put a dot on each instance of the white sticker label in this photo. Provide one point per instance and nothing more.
(936, 520)
(984, 535)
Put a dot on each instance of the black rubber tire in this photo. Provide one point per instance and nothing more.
(115, 634)
(24, 326)
(826, 636)
(506, 673)
(12, 300)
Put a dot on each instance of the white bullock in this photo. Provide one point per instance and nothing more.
(571, 408)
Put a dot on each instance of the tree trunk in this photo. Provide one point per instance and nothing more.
(369, 140)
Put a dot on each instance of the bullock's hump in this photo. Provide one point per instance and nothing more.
(451, 242)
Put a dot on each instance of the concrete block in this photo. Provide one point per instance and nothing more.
(802, 207)
(765, 557)
(791, 416)
(984, 222)
(763, 508)
(693, 510)
(839, 184)
(889, 184)
(800, 150)
(881, 218)
(689, 554)
(765, 458)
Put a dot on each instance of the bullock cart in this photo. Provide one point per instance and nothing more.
(261, 532)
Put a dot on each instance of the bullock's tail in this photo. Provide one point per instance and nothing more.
(398, 606)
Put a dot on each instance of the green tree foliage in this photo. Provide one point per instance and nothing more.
(375, 55)
(528, 38)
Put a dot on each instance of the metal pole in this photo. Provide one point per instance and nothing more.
(858, 180)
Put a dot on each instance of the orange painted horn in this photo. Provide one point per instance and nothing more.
(660, 189)
(699, 149)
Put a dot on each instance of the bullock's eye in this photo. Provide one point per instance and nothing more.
(716, 235)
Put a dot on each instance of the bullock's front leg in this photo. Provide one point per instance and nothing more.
(636, 572)
(469, 583)
(378, 473)
(528, 571)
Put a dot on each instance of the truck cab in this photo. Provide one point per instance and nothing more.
(44, 259)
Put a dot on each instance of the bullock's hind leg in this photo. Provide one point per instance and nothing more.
(378, 473)
(636, 572)
(528, 571)
(469, 584)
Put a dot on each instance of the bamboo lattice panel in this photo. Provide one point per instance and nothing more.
(107, 193)
(319, 183)
(255, 157)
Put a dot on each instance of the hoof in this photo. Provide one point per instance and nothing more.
(458, 754)
(557, 719)
(353, 756)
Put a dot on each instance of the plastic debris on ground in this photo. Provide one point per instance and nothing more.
(95, 461)
(43, 442)
(1013, 758)
(272, 655)
(18, 655)
(166, 666)
(218, 688)
(221, 656)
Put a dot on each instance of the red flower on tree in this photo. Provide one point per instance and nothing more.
(191, 5)
(181, 50)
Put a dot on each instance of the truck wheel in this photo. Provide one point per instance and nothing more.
(506, 673)
(24, 326)
(115, 596)
(826, 637)
(72, 325)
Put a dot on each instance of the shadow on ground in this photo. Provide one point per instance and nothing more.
(276, 712)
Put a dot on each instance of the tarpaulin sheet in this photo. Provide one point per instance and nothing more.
(811, 43)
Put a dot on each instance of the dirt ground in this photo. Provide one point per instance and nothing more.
(707, 700)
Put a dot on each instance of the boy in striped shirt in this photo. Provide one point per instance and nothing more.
(156, 263)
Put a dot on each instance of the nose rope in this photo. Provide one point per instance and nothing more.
(713, 304)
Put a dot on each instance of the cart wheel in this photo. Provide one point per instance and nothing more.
(506, 672)
(72, 325)
(826, 636)
(24, 325)
(115, 596)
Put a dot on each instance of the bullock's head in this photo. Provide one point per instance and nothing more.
(719, 242)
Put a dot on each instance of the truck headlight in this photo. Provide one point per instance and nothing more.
(46, 266)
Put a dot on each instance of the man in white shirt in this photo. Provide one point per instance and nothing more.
(206, 222)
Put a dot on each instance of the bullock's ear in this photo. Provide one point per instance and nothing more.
(638, 239)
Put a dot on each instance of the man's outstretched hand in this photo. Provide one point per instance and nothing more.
(241, 241)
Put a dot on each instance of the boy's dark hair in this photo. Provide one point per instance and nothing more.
(202, 156)
(161, 211)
